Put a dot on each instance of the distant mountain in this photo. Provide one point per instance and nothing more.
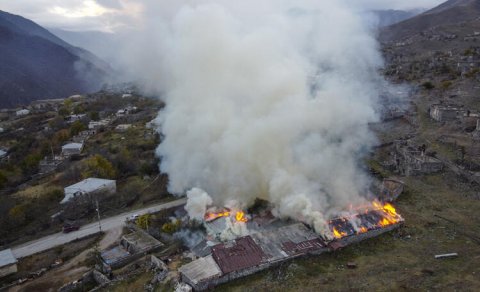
(102, 44)
(448, 13)
(36, 64)
(389, 17)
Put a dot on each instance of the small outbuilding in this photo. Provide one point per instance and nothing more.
(89, 186)
(22, 112)
(123, 127)
(8, 263)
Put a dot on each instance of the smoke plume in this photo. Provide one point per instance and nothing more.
(268, 99)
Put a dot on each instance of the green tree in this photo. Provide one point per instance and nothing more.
(94, 116)
(98, 166)
(79, 109)
(31, 162)
(63, 111)
(76, 128)
(61, 136)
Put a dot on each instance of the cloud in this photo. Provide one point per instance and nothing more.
(102, 15)
(115, 15)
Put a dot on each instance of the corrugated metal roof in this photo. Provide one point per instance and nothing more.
(7, 258)
(238, 255)
(86, 186)
(72, 146)
(288, 240)
(201, 270)
(89, 185)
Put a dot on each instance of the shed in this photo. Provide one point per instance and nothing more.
(72, 149)
(8, 263)
(22, 112)
(123, 127)
(89, 186)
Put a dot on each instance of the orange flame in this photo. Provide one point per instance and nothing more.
(212, 215)
(389, 216)
(240, 216)
(338, 234)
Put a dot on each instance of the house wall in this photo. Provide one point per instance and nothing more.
(71, 151)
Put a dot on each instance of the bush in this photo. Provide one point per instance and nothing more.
(446, 84)
(143, 221)
(98, 166)
(171, 227)
(428, 85)
(76, 128)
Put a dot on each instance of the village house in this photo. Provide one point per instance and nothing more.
(72, 149)
(412, 161)
(74, 118)
(93, 125)
(22, 112)
(46, 104)
(123, 127)
(89, 186)
(8, 263)
(442, 113)
(126, 111)
(131, 247)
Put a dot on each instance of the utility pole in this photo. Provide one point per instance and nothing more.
(51, 148)
(98, 214)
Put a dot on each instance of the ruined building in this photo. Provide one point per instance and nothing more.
(443, 113)
(412, 161)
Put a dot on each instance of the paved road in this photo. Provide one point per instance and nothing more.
(57, 239)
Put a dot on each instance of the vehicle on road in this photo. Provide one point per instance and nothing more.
(67, 228)
(133, 217)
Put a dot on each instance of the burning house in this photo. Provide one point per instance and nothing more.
(262, 249)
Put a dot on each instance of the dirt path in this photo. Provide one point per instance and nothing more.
(70, 270)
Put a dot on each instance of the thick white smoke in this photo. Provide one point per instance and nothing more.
(264, 99)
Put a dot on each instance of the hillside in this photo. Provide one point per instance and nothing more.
(452, 12)
(389, 17)
(37, 65)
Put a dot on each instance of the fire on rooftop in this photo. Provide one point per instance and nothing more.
(270, 242)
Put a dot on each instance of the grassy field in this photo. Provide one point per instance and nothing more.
(401, 260)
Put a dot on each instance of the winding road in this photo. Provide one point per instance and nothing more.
(57, 239)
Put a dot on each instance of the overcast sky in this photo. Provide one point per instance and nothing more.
(112, 15)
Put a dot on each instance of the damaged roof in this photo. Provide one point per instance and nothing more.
(237, 255)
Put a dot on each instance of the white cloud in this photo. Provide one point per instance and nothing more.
(111, 15)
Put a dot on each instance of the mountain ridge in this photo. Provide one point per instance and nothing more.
(36, 64)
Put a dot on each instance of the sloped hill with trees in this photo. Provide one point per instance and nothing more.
(38, 65)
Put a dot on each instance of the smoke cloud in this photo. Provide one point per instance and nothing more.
(268, 99)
